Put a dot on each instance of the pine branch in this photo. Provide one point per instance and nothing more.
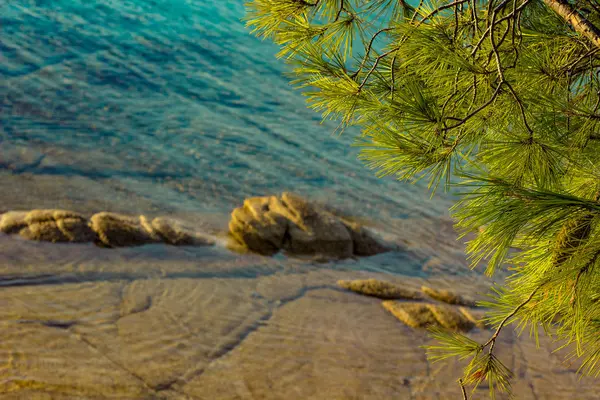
(573, 17)
(492, 341)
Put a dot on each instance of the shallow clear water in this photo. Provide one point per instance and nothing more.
(175, 102)
(171, 107)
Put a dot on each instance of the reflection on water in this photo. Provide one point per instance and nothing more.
(171, 108)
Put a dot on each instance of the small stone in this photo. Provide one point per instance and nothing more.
(447, 297)
(379, 289)
(115, 230)
(176, 233)
(34, 216)
(76, 230)
(13, 221)
(450, 318)
(415, 315)
(56, 226)
(476, 319)
(44, 232)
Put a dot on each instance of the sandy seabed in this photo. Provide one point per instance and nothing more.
(78, 322)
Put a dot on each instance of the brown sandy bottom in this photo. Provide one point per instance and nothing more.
(292, 334)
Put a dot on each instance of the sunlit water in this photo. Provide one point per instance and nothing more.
(171, 107)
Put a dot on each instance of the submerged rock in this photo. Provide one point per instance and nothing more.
(415, 315)
(266, 225)
(424, 315)
(447, 297)
(105, 229)
(176, 233)
(47, 225)
(115, 230)
(12, 222)
(380, 289)
(451, 318)
(57, 226)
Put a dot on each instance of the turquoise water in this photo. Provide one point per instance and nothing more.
(174, 108)
(177, 103)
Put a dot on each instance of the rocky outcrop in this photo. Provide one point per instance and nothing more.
(415, 315)
(57, 226)
(115, 230)
(425, 315)
(446, 296)
(47, 225)
(420, 314)
(450, 318)
(266, 225)
(379, 289)
(105, 229)
(257, 226)
(177, 233)
(365, 244)
(12, 222)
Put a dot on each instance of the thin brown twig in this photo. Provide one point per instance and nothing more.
(521, 108)
(456, 11)
(501, 75)
(368, 50)
(508, 16)
(454, 93)
(377, 60)
(492, 340)
(339, 13)
(412, 19)
(476, 111)
(463, 390)
(440, 9)
(393, 85)
(475, 19)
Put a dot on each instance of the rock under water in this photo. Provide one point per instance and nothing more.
(447, 297)
(379, 289)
